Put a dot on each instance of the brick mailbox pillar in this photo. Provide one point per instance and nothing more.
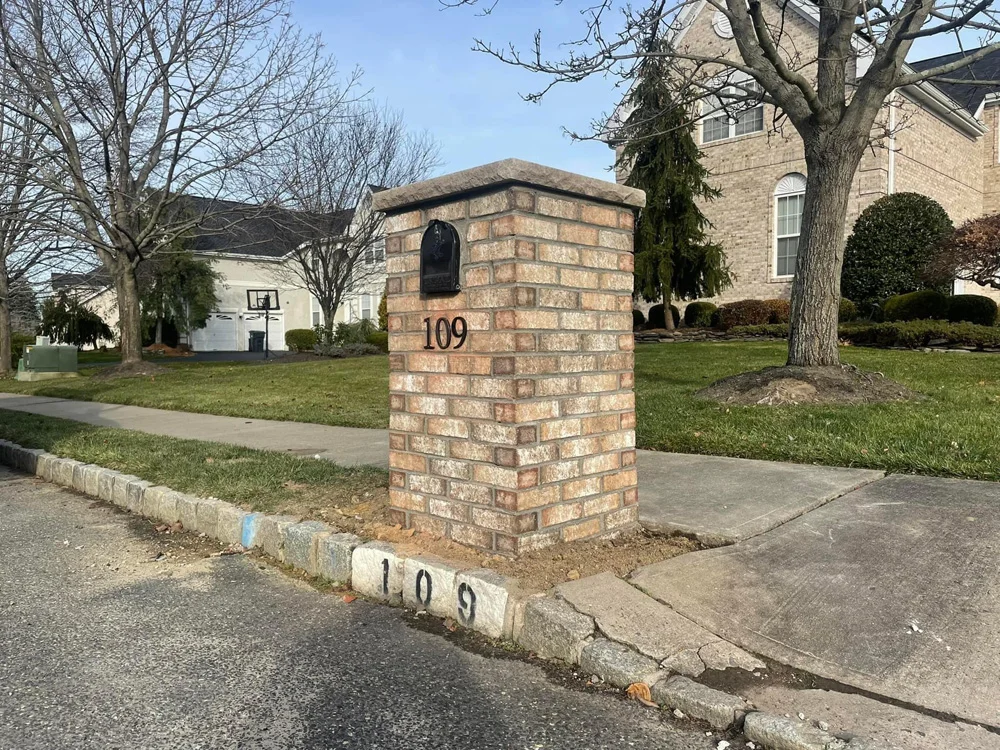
(512, 414)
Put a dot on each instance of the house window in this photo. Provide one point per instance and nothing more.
(789, 198)
(366, 307)
(743, 118)
(317, 314)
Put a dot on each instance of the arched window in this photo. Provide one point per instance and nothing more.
(789, 198)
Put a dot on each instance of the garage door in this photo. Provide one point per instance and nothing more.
(254, 321)
(218, 335)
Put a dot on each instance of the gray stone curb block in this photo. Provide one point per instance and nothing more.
(166, 509)
(46, 467)
(617, 664)
(92, 480)
(119, 492)
(300, 544)
(552, 629)
(429, 583)
(271, 534)
(229, 523)
(106, 485)
(80, 477)
(719, 709)
(377, 571)
(65, 471)
(333, 556)
(251, 522)
(134, 492)
(779, 733)
(187, 510)
(29, 459)
(151, 501)
(5, 452)
(487, 602)
(206, 516)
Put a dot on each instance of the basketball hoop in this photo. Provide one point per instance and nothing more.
(264, 300)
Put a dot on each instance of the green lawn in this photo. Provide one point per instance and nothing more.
(263, 481)
(955, 431)
(350, 392)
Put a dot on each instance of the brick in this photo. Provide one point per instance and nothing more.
(402, 222)
(559, 342)
(578, 234)
(492, 203)
(419, 362)
(407, 461)
(560, 471)
(495, 476)
(602, 215)
(581, 530)
(561, 386)
(447, 509)
(562, 513)
(447, 212)
(472, 536)
(407, 500)
(536, 319)
(599, 259)
(427, 405)
(603, 423)
(406, 383)
(536, 498)
(561, 298)
(468, 450)
(535, 454)
(563, 254)
(432, 446)
(563, 209)
(472, 365)
(599, 505)
(577, 278)
(525, 226)
(470, 493)
(450, 468)
(483, 252)
(493, 388)
(616, 240)
(457, 428)
(621, 519)
(581, 447)
(620, 479)
(477, 276)
(581, 488)
(478, 230)
(427, 485)
(601, 463)
(500, 434)
(471, 409)
(453, 385)
(532, 411)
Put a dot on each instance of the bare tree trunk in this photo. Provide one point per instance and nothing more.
(129, 318)
(159, 330)
(668, 315)
(5, 332)
(812, 337)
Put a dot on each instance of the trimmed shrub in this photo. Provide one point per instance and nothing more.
(658, 320)
(638, 319)
(300, 339)
(349, 350)
(380, 340)
(747, 312)
(926, 304)
(699, 314)
(892, 243)
(972, 308)
(781, 310)
(354, 333)
(848, 311)
(913, 334)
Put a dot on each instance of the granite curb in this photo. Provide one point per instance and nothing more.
(479, 599)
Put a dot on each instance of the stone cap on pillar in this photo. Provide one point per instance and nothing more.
(501, 174)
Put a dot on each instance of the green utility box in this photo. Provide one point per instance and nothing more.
(45, 361)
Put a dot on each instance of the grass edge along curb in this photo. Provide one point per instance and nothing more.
(479, 599)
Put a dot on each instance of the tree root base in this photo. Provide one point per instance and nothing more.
(130, 370)
(791, 386)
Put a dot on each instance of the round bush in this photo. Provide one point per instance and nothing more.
(657, 319)
(379, 339)
(893, 241)
(848, 311)
(699, 314)
(747, 312)
(972, 308)
(781, 310)
(926, 304)
(638, 319)
(300, 339)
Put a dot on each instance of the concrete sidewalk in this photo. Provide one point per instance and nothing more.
(719, 500)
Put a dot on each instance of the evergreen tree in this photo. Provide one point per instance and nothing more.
(673, 257)
(177, 289)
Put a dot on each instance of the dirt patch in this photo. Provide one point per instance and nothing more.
(790, 386)
(367, 515)
(167, 351)
(130, 370)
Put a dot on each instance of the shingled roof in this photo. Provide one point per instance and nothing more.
(233, 228)
(969, 95)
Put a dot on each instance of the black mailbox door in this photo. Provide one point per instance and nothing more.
(440, 259)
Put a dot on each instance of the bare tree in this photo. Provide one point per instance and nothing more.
(140, 102)
(24, 243)
(330, 170)
(831, 93)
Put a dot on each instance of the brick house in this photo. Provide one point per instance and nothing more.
(940, 140)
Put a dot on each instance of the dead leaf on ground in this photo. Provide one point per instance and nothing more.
(450, 624)
(348, 598)
(640, 691)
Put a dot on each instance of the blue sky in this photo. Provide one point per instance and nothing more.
(418, 58)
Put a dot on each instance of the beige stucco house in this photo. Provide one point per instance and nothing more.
(938, 140)
(250, 252)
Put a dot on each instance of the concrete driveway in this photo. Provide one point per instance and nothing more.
(893, 588)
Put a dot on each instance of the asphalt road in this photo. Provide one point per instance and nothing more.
(103, 645)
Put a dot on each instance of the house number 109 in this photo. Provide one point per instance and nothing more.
(445, 333)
